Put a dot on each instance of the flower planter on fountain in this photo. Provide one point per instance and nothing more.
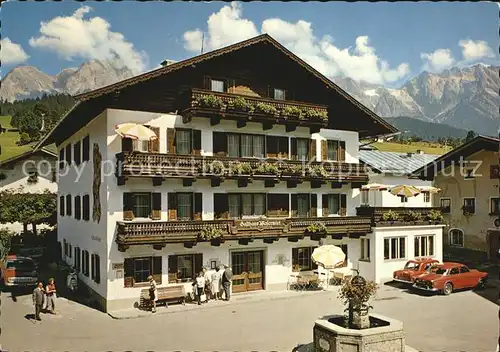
(358, 331)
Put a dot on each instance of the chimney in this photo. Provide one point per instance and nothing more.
(420, 151)
(168, 62)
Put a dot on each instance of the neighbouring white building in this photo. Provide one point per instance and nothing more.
(31, 172)
(395, 242)
(228, 181)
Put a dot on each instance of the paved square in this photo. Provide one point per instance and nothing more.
(463, 321)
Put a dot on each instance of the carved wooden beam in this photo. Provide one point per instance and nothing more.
(355, 235)
(158, 247)
(121, 180)
(241, 123)
(270, 183)
(187, 118)
(270, 240)
(318, 236)
(188, 182)
(316, 183)
(242, 182)
(337, 236)
(123, 247)
(337, 185)
(357, 184)
(314, 129)
(216, 181)
(290, 127)
(267, 125)
(189, 244)
(291, 184)
(157, 181)
(214, 120)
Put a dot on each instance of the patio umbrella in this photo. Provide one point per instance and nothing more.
(375, 186)
(405, 191)
(135, 131)
(329, 257)
(429, 189)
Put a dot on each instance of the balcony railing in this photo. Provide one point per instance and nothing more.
(139, 164)
(398, 215)
(163, 232)
(236, 106)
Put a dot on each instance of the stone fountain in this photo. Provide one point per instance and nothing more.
(358, 331)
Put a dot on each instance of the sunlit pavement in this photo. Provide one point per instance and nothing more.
(463, 321)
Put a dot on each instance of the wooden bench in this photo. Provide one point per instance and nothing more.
(169, 293)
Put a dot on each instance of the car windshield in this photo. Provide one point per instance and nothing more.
(411, 266)
(21, 264)
(439, 271)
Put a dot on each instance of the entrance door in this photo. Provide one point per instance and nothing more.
(494, 244)
(247, 271)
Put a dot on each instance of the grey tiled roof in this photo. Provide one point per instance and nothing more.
(390, 162)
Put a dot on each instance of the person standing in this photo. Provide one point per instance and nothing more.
(38, 299)
(153, 293)
(226, 281)
(50, 292)
(216, 283)
(208, 280)
(200, 286)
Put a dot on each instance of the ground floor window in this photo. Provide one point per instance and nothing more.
(137, 270)
(365, 249)
(77, 260)
(495, 206)
(85, 263)
(183, 267)
(96, 268)
(456, 237)
(394, 248)
(301, 259)
(424, 246)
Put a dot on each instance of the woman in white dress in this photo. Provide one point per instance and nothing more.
(216, 284)
(153, 293)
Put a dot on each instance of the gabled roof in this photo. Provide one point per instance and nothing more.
(264, 38)
(26, 155)
(391, 162)
(475, 145)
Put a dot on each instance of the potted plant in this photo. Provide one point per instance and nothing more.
(312, 114)
(267, 169)
(317, 171)
(216, 167)
(356, 293)
(241, 169)
(240, 104)
(267, 109)
(414, 216)
(293, 169)
(212, 234)
(211, 102)
(435, 216)
(390, 216)
(291, 111)
(316, 228)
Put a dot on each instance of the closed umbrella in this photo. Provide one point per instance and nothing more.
(329, 257)
(135, 131)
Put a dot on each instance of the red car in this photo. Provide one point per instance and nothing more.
(414, 268)
(447, 277)
(19, 271)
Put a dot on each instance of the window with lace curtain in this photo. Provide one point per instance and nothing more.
(183, 142)
(245, 145)
(302, 149)
(184, 206)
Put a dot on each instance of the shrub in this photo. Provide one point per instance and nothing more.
(317, 227)
(24, 138)
(216, 167)
(266, 109)
(211, 101)
(210, 233)
(241, 169)
(318, 171)
(267, 168)
(390, 216)
(435, 215)
(355, 293)
(414, 216)
(240, 104)
(294, 169)
(291, 110)
(313, 114)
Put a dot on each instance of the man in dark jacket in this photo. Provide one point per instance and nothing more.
(226, 281)
(38, 294)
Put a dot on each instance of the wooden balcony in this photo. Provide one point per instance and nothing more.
(160, 233)
(403, 216)
(244, 108)
(191, 167)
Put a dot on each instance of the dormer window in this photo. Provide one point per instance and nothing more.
(217, 85)
(279, 94)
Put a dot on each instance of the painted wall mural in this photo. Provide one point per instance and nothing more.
(97, 160)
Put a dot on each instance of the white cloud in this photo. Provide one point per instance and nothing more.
(475, 50)
(76, 37)
(11, 53)
(228, 27)
(439, 60)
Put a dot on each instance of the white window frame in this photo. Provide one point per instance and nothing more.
(428, 247)
(427, 197)
(276, 90)
(450, 238)
(212, 81)
(491, 205)
(398, 258)
(475, 203)
(449, 198)
(365, 249)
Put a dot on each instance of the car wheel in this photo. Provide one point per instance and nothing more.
(447, 289)
(481, 284)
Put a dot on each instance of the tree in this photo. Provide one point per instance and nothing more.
(470, 136)
(30, 123)
(5, 237)
(28, 208)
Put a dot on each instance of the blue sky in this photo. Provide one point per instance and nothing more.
(382, 43)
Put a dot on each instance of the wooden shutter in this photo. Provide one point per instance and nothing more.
(197, 206)
(295, 257)
(68, 154)
(220, 143)
(86, 148)
(272, 146)
(97, 262)
(61, 205)
(198, 263)
(172, 206)
(68, 204)
(283, 147)
(207, 83)
(128, 210)
(61, 158)
(77, 152)
(312, 149)
(341, 151)
(86, 207)
(295, 205)
(196, 139)
(172, 269)
(293, 147)
(156, 208)
(92, 270)
(324, 150)
(343, 205)
(221, 206)
(128, 265)
(157, 269)
(78, 208)
(171, 140)
(325, 204)
(314, 205)
(127, 145)
(154, 145)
